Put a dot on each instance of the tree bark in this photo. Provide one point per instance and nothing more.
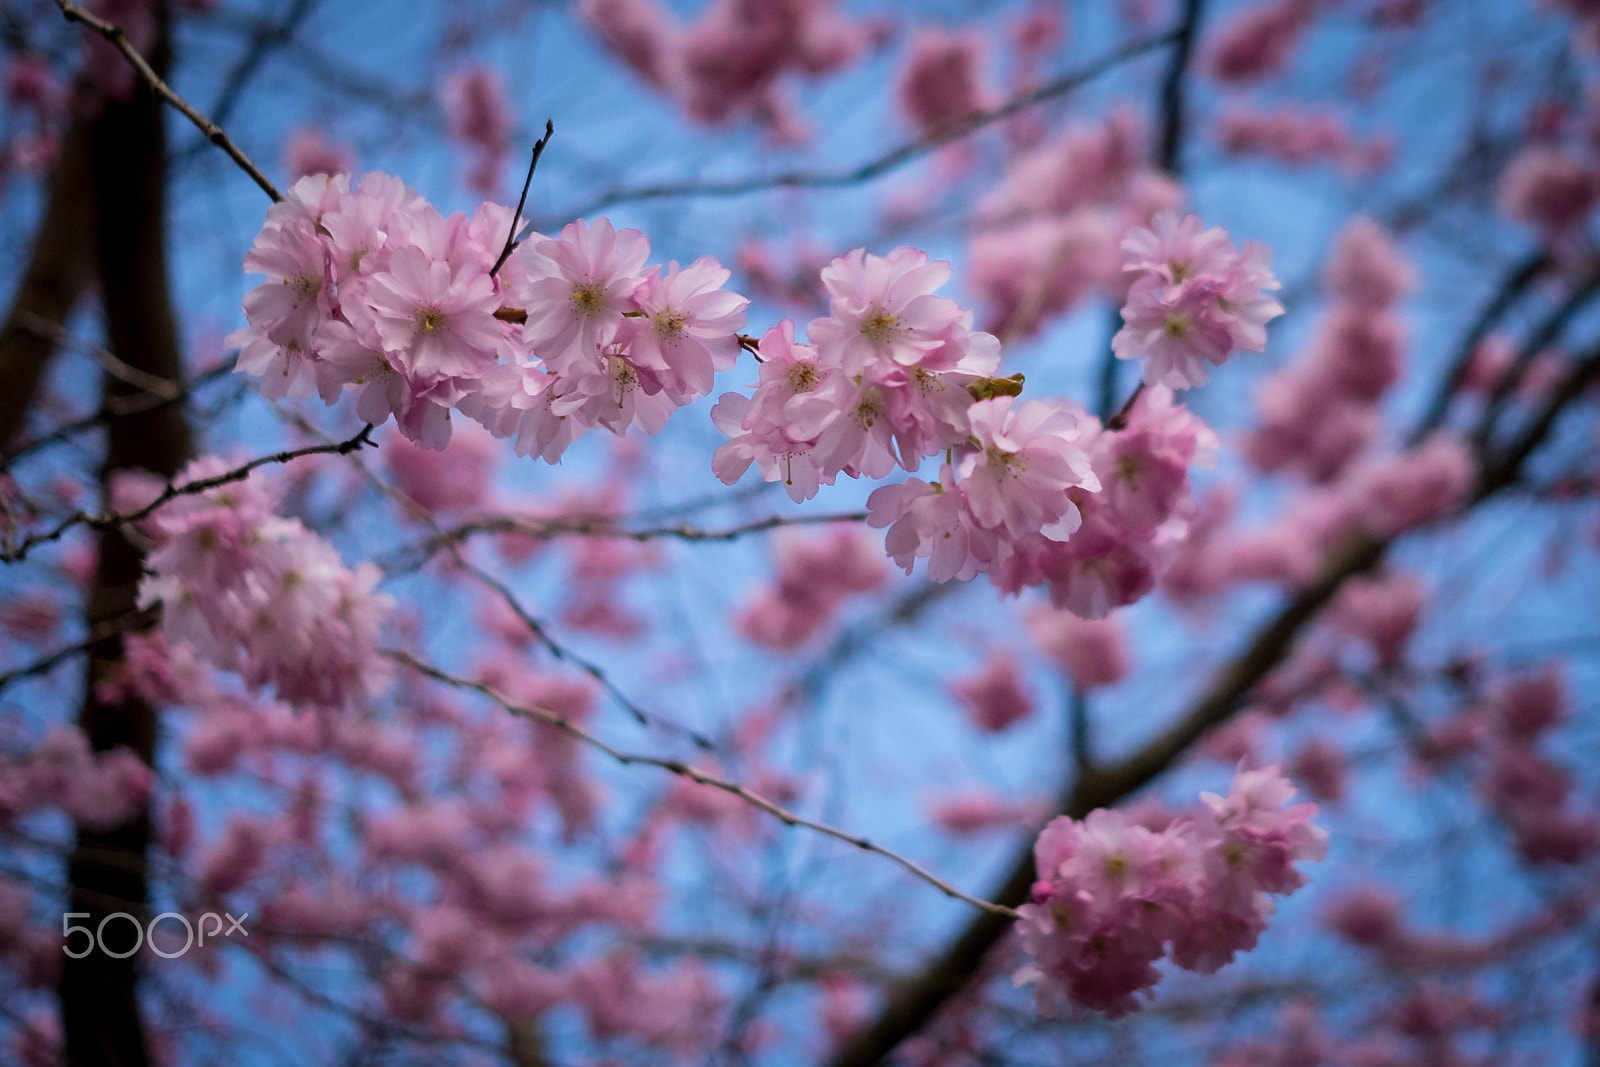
(100, 1015)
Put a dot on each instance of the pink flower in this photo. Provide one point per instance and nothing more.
(932, 522)
(1094, 653)
(1548, 188)
(1528, 705)
(1257, 40)
(436, 319)
(310, 151)
(1029, 455)
(1368, 916)
(942, 79)
(1366, 268)
(816, 577)
(640, 33)
(1382, 611)
(579, 287)
(478, 114)
(1414, 487)
(689, 328)
(883, 309)
(265, 596)
(997, 696)
(974, 812)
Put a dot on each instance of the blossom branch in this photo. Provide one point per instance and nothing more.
(213, 133)
(684, 770)
(12, 554)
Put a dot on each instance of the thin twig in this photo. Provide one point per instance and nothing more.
(1120, 419)
(540, 632)
(133, 620)
(1515, 283)
(564, 654)
(119, 369)
(522, 201)
(683, 770)
(115, 407)
(171, 492)
(893, 159)
(213, 133)
(600, 526)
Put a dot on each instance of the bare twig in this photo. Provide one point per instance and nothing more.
(1514, 285)
(213, 133)
(563, 654)
(153, 384)
(133, 620)
(1120, 419)
(890, 160)
(684, 770)
(115, 407)
(1545, 334)
(601, 526)
(522, 201)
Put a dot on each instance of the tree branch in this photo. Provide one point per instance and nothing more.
(683, 770)
(213, 133)
(915, 1004)
(885, 163)
(12, 554)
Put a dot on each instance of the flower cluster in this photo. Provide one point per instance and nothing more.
(100, 790)
(885, 381)
(733, 60)
(372, 288)
(1114, 896)
(1194, 299)
(1049, 231)
(816, 577)
(1009, 489)
(1129, 528)
(264, 596)
(1318, 413)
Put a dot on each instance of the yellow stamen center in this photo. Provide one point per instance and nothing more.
(878, 326)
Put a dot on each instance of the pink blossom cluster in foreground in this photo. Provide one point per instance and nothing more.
(1042, 494)
(264, 596)
(371, 288)
(884, 382)
(1115, 896)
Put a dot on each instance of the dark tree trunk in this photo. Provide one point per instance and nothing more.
(127, 149)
